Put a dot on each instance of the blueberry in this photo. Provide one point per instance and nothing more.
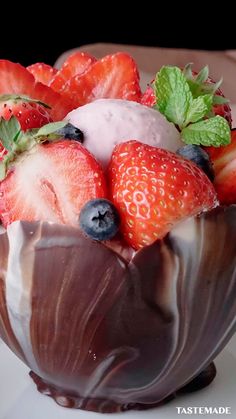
(99, 219)
(199, 157)
(71, 132)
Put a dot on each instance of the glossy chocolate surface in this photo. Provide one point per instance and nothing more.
(112, 333)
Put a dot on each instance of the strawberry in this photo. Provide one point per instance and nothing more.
(42, 72)
(50, 181)
(16, 80)
(75, 65)
(224, 165)
(205, 85)
(222, 109)
(148, 98)
(154, 189)
(114, 76)
(30, 114)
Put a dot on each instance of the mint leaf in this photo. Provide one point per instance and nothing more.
(50, 128)
(210, 132)
(177, 109)
(199, 108)
(187, 99)
(9, 131)
(173, 93)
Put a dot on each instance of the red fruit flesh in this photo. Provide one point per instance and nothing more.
(148, 98)
(15, 79)
(51, 183)
(75, 65)
(154, 189)
(43, 73)
(114, 76)
(224, 165)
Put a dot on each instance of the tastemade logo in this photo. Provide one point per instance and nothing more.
(203, 410)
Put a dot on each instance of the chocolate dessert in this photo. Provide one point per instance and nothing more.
(118, 237)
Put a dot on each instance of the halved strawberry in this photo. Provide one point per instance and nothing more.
(75, 65)
(154, 189)
(224, 165)
(15, 79)
(42, 72)
(52, 182)
(114, 76)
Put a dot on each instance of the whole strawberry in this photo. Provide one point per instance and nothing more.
(30, 113)
(154, 189)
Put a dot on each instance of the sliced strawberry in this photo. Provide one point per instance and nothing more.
(154, 189)
(15, 79)
(75, 65)
(114, 76)
(51, 183)
(42, 72)
(224, 164)
(148, 98)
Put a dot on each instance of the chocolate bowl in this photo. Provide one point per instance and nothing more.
(103, 333)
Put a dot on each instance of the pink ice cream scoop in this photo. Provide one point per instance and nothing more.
(106, 122)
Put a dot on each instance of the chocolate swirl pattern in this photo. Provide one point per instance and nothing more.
(101, 333)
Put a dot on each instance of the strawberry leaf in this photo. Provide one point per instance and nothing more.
(51, 128)
(203, 75)
(210, 132)
(9, 131)
(219, 100)
(187, 71)
(6, 98)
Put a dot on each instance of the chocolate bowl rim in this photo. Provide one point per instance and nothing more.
(131, 252)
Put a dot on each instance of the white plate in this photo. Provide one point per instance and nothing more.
(19, 398)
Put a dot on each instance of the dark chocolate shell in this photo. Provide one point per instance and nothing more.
(104, 334)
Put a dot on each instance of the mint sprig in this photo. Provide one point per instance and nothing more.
(187, 101)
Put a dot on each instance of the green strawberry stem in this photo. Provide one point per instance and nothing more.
(16, 141)
(5, 98)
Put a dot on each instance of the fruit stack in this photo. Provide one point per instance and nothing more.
(118, 196)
